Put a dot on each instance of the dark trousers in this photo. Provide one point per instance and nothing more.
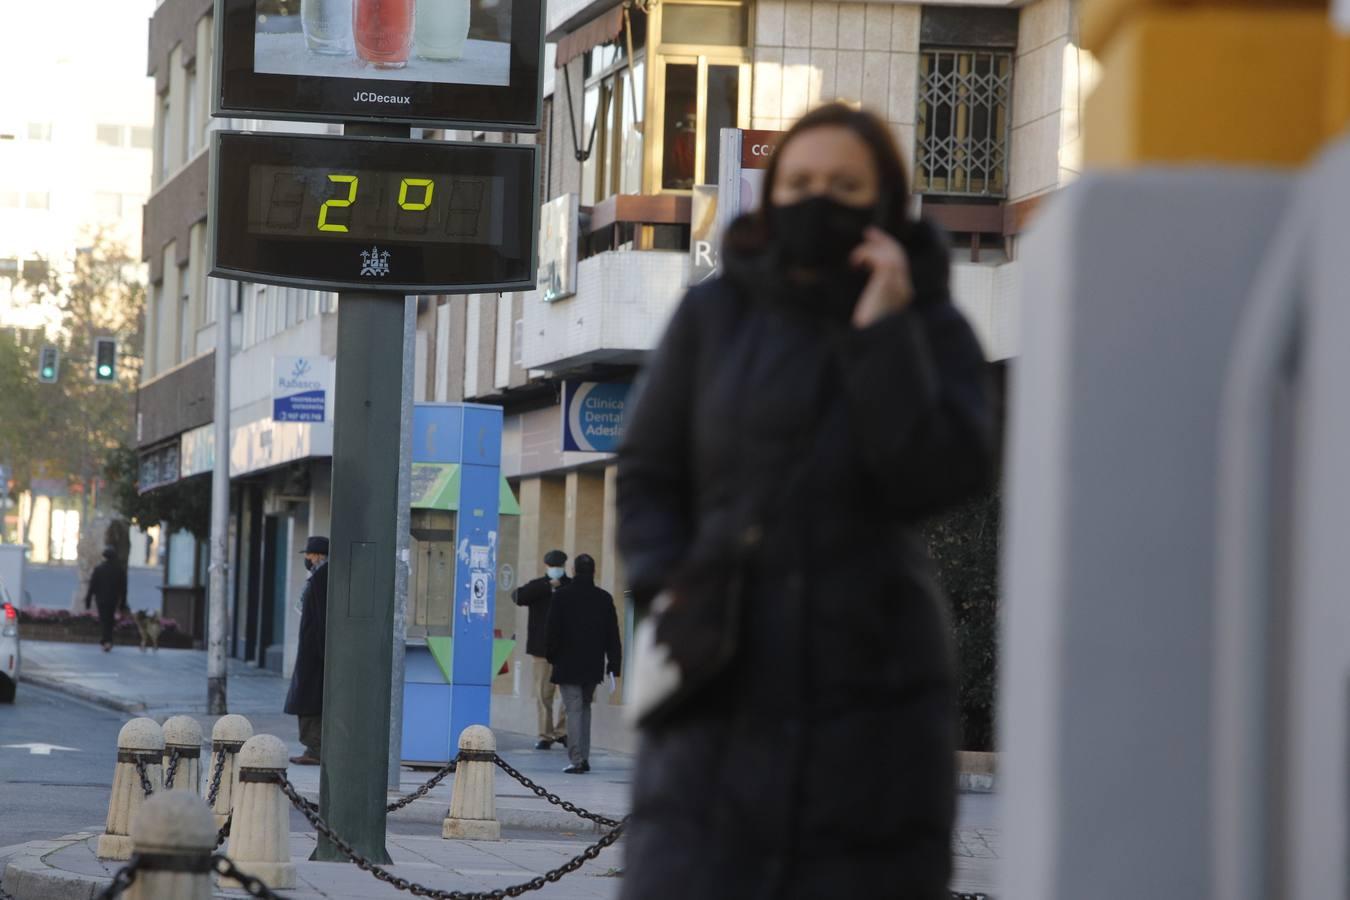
(107, 617)
(311, 734)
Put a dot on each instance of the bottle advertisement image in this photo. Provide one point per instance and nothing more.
(442, 41)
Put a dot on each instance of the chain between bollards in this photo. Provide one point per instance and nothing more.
(225, 867)
(174, 757)
(123, 879)
(146, 786)
(307, 810)
(215, 780)
(447, 770)
(543, 793)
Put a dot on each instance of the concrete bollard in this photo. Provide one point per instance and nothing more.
(260, 833)
(175, 839)
(183, 734)
(139, 740)
(473, 804)
(227, 738)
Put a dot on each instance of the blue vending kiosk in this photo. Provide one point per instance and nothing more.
(458, 495)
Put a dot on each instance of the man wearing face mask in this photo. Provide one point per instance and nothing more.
(305, 699)
(537, 596)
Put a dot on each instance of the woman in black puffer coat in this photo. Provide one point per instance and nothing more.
(825, 387)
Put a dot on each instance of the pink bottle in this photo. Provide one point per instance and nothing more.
(383, 30)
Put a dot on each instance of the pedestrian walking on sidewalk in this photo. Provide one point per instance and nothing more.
(537, 596)
(107, 591)
(802, 414)
(305, 698)
(583, 644)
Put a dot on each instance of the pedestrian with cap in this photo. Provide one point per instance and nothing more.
(583, 645)
(107, 591)
(305, 699)
(537, 597)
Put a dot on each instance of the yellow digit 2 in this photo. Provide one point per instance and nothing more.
(351, 181)
(415, 182)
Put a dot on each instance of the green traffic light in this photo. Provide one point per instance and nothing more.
(105, 371)
(48, 372)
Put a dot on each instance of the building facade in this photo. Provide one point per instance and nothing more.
(983, 98)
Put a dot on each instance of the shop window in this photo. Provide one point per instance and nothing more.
(108, 135)
(702, 85)
(700, 97)
(612, 107)
(962, 133)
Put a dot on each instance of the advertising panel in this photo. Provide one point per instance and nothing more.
(593, 415)
(558, 220)
(301, 386)
(460, 63)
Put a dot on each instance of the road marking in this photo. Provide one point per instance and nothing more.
(39, 749)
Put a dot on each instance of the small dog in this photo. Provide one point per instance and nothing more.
(148, 625)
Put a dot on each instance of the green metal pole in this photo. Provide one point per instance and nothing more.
(359, 647)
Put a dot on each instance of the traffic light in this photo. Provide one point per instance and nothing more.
(49, 363)
(105, 359)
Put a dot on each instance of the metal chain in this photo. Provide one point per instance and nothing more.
(224, 831)
(540, 791)
(417, 890)
(172, 770)
(146, 786)
(255, 888)
(122, 880)
(215, 780)
(425, 789)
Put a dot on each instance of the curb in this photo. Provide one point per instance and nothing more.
(98, 698)
(26, 875)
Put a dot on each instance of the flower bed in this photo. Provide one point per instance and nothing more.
(84, 628)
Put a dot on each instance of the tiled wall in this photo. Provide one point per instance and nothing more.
(807, 53)
(1050, 79)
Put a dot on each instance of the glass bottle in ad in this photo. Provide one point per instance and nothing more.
(383, 30)
(328, 26)
(442, 28)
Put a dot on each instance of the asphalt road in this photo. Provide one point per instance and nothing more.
(54, 587)
(44, 796)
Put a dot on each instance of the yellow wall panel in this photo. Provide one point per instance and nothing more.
(1102, 18)
(1234, 86)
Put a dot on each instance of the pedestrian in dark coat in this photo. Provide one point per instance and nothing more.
(583, 644)
(537, 596)
(108, 591)
(812, 403)
(305, 698)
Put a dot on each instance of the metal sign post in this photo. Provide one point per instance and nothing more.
(358, 659)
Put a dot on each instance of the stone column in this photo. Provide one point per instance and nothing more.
(227, 739)
(182, 735)
(175, 839)
(139, 741)
(260, 833)
(473, 803)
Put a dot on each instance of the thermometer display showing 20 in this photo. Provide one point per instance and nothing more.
(365, 205)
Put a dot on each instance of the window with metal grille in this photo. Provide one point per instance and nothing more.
(961, 140)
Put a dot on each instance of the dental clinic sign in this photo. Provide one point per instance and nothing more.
(593, 415)
(300, 388)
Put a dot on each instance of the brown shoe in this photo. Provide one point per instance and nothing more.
(304, 760)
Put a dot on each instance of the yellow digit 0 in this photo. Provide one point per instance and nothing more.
(351, 181)
(415, 182)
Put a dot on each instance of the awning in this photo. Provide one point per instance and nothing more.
(603, 29)
(436, 486)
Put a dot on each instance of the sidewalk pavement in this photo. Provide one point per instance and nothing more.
(173, 682)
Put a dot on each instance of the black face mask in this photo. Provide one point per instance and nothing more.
(819, 232)
(309, 565)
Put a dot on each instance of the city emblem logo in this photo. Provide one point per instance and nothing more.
(301, 369)
(375, 262)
